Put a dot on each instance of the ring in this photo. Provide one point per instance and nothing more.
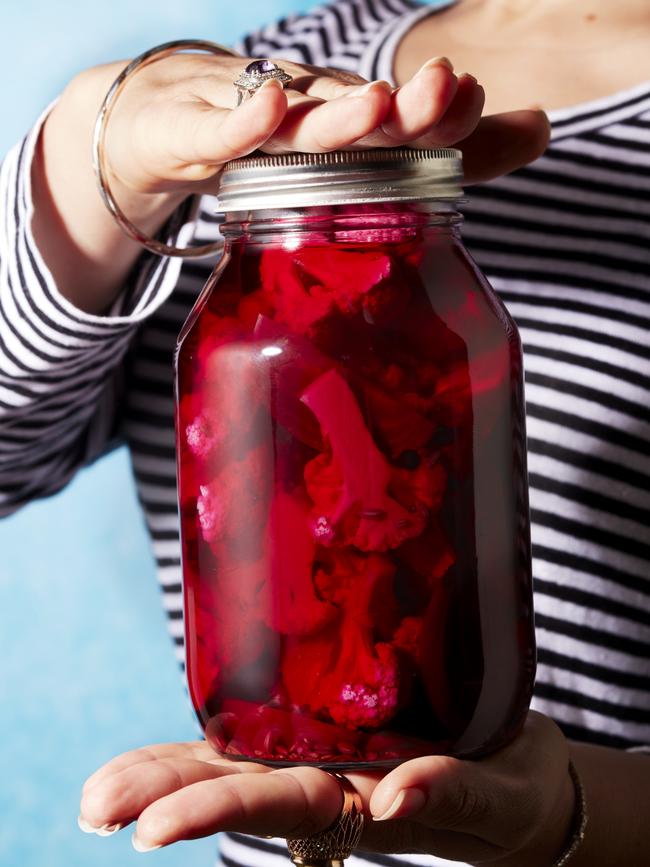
(254, 76)
(328, 848)
(99, 136)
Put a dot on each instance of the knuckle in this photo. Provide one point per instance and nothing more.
(173, 775)
(472, 804)
(466, 805)
(308, 824)
(237, 808)
(347, 77)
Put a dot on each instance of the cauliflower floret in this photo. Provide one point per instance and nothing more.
(359, 498)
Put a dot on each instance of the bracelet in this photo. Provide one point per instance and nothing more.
(580, 819)
(159, 52)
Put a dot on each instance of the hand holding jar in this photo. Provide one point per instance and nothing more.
(176, 124)
(512, 808)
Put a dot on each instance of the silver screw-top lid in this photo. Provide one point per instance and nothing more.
(340, 178)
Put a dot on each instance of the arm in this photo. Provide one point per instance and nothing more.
(56, 362)
(511, 809)
(88, 255)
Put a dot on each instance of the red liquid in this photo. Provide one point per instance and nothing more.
(353, 500)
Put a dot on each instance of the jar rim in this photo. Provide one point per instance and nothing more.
(263, 181)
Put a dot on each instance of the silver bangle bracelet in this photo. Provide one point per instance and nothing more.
(159, 52)
(580, 819)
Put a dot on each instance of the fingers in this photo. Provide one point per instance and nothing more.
(189, 141)
(500, 799)
(422, 101)
(316, 126)
(292, 802)
(323, 83)
(177, 131)
(437, 791)
(322, 110)
(433, 109)
(221, 135)
(184, 136)
(459, 120)
(198, 750)
(122, 796)
(502, 143)
(456, 808)
(216, 85)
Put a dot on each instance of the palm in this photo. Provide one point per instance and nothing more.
(179, 780)
(465, 811)
(184, 791)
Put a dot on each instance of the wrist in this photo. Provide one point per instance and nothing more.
(86, 252)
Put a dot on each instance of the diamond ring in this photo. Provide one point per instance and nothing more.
(254, 76)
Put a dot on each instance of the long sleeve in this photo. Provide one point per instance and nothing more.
(59, 367)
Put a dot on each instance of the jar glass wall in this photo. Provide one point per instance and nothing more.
(352, 487)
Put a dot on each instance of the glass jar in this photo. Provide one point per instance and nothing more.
(352, 476)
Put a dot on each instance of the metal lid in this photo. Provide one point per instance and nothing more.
(340, 178)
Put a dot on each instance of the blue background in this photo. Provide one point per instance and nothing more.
(87, 668)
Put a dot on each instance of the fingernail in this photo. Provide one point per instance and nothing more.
(101, 831)
(366, 88)
(436, 61)
(86, 827)
(107, 830)
(139, 846)
(467, 75)
(407, 803)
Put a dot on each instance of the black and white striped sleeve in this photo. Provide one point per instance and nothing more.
(58, 365)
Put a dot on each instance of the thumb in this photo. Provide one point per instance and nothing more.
(502, 143)
(188, 141)
(446, 793)
(221, 134)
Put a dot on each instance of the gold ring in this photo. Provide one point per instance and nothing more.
(159, 52)
(328, 848)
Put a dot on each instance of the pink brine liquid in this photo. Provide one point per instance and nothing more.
(353, 500)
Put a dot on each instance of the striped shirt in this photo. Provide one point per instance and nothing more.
(565, 243)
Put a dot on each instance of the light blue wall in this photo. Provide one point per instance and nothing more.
(42, 44)
(87, 669)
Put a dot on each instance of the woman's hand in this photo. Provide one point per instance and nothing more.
(511, 808)
(175, 125)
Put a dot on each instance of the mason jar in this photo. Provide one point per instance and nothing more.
(352, 472)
